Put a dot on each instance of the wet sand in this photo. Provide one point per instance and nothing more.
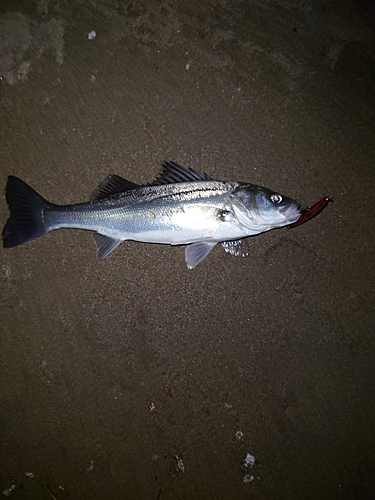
(136, 377)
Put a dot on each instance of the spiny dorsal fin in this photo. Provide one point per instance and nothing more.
(113, 184)
(173, 172)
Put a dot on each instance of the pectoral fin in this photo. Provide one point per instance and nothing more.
(196, 252)
(105, 245)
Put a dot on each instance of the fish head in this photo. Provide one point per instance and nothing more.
(259, 209)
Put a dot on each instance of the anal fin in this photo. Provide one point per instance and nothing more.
(105, 245)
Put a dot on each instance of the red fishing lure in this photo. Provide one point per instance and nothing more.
(311, 212)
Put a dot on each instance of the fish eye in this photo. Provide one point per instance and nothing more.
(276, 198)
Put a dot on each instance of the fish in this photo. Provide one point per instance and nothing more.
(181, 207)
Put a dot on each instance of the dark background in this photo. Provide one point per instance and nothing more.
(129, 378)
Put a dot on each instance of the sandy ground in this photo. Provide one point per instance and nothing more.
(129, 378)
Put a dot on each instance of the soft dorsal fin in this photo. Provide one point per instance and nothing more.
(113, 184)
(173, 172)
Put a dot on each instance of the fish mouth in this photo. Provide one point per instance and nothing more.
(292, 212)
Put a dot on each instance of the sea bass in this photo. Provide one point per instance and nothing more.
(181, 207)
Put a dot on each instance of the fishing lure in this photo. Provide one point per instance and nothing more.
(310, 212)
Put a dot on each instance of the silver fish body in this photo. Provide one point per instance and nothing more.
(180, 207)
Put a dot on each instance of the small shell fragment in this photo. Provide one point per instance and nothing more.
(249, 460)
(248, 478)
(239, 435)
(8, 491)
(180, 464)
(91, 35)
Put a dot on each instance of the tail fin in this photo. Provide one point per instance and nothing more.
(26, 214)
